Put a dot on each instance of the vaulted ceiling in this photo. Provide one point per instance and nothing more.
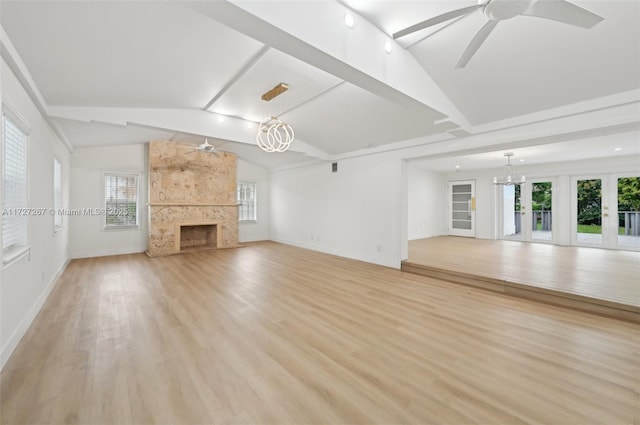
(111, 72)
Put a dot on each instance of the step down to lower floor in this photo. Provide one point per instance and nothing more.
(592, 305)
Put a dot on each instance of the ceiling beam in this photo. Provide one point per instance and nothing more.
(11, 56)
(245, 68)
(617, 119)
(188, 121)
(315, 33)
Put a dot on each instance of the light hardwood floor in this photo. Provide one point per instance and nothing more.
(608, 275)
(273, 334)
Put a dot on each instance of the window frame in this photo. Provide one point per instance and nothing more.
(119, 227)
(57, 195)
(21, 246)
(255, 201)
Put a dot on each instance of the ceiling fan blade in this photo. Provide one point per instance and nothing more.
(563, 11)
(436, 20)
(475, 44)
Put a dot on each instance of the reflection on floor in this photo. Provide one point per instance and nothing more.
(624, 241)
(597, 280)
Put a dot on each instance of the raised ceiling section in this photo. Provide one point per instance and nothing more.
(527, 64)
(127, 72)
(124, 54)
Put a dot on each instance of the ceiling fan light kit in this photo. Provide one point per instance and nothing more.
(206, 147)
(500, 10)
(274, 135)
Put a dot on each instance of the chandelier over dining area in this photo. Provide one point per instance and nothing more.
(508, 178)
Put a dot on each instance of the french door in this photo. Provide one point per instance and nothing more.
(606, 211)
(526, 211)
(462, 208)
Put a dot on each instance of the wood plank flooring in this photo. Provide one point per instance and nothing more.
(600, 280)
(273, 334)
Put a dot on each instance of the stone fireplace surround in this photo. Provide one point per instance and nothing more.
(190, 188)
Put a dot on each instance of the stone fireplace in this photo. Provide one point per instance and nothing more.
(192, 199)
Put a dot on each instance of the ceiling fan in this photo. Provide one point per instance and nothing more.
(208, 148)
(500, 10)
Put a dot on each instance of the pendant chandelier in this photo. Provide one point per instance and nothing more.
(273, 134)
(508, 179)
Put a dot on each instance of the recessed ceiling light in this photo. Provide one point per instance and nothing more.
(457, 167)
(521, 160)
(220, 118)
(617, 149)
(348, 20)
(387, 46)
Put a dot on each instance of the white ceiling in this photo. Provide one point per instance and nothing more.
(530, 64)
(166, 55)
(124, 54)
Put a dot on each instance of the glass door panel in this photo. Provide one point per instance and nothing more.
(541, 211)
(589, 212)
(462, 208)
(628, 190)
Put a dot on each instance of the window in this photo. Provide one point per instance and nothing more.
(120, 201)
(57, 194)
(14, 198)
(247, 201)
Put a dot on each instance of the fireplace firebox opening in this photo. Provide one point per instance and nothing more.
(201, 236)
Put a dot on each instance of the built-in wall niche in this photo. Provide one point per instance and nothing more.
(192, 199)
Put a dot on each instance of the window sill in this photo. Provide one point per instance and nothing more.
(119, 228)
(14, 254)
(247, 221)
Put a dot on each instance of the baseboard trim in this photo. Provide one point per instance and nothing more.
(21, 330)
(107, 253)
(341, 253)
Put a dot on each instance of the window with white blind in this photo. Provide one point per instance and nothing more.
(120, 201)
(57, 194)
(246, 201)
(14, 194)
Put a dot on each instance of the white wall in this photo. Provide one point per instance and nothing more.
(427, 195)
(353, 213)
(26, 283)
(258, 231)
(88, 165)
